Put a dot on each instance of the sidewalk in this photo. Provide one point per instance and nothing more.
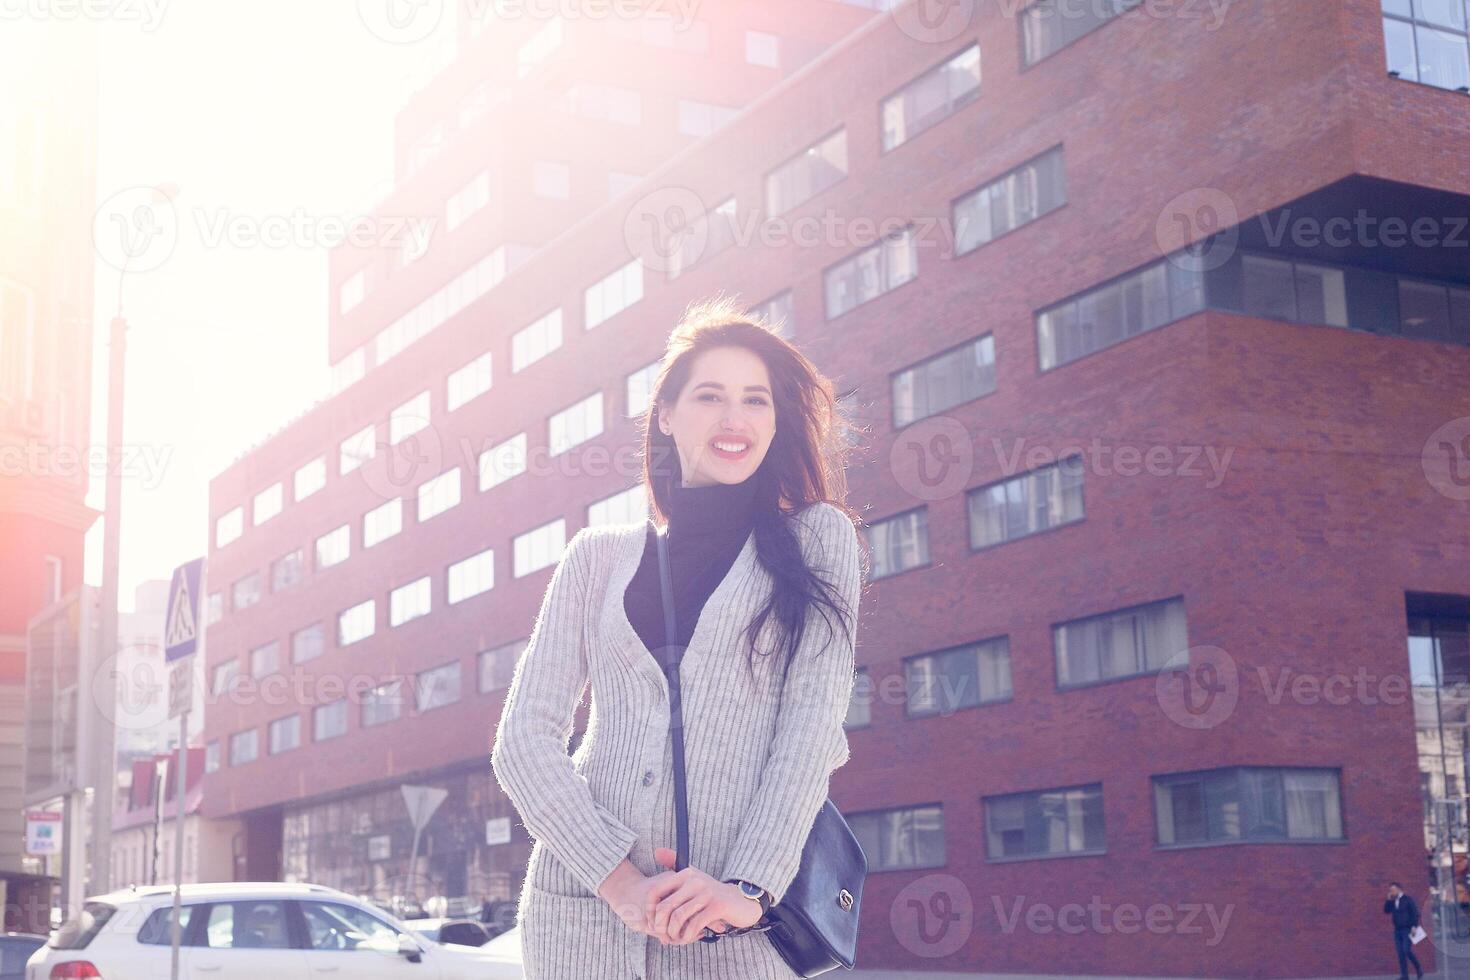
(926, 975)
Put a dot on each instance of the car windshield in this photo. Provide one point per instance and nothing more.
(77, 932)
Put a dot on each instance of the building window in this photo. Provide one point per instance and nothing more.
(467, 200)
(860, 704)
(309, 478)
(503, 461)
(267, 504)
(408, 418)
(529, 344)
(334, 547)
(1045, 824)
(606, 103)
(539, 547)
(1252, 804)
(214, 608)
(437, 687)
(551, 179)
(807, 174)
(357, 623)
(1427, 41)
(211, 756)
(931, 98)
(702, 118)
(1300, 291)
(307, 643)
(1030, 191)
(245, 592)
(628, 506)
(287, 570)
(872, 272)
(382, 522)
(349, 370)
(244, 747)
(408, 602)
(762, 49)
(472, 576)
(329, 720)
(961, 677)
(51, 581)
(228, 526)
(707, 236)
(1047, 26)
(1112, 313)
(356, 449)
(1125, 643)
(1044, 498)
(575, 425)
(951, 378)
(265, 659)
(899, 543)
(1434, 311)
(777, 313)
(613, 294)
(640, 385)
(226, 677)
(284, 734)
(474, 282)
(438, 495)
(468, 382)
(351, 292)
(497, 666)
(382, 704)
(901, 839)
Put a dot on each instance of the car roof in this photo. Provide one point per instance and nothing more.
(203, 891)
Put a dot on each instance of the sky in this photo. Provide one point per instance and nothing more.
(271, 123)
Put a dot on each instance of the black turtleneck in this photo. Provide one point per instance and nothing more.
(708, 525)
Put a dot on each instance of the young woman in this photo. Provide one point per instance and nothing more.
(743, 464)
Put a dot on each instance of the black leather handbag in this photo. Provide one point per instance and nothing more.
(814, 928)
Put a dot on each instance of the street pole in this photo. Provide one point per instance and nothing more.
(104, 687)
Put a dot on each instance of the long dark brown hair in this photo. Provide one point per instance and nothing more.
(805, 463)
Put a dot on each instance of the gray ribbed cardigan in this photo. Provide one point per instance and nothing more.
(758, 758)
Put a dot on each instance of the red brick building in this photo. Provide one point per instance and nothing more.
(1226, 692)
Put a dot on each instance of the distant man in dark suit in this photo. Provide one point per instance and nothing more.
(1405, 917)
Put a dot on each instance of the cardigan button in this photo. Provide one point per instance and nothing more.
(648, 778)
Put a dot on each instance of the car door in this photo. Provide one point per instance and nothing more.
(344, 941)
(249, 939)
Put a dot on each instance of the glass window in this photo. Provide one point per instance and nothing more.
(246, 591)
(503, 461)
(575, 424)
(308, 643)
(1023, 505)
(309, 478)
(472, 576)
(941, 682)
(931, 97)
(356, 449)
(860, 705)
(383, 703)
(408, 602)
(1047, 26)
(897, 839)
(497, 666)
(948, 379)
(329, 720)
(1120, 644)
(468, 382)
(529, 344)
(334, 546)
(1248, 804)
(438, 494)
(333, 926)
(640, 388)
(267, 504)
(872, 272)
(807, 174)
(539, 547)
(157, 929)
(629, 506)
(248, 924)
(382, 522)
(1035, 188)
(778, 313)
(284, 734)
(613, 294)
(899, 543)
(437, 687)
(244, 747)
(227, 528)
(1049, 822)
(356, 623)
(265, 659)
(286, 571)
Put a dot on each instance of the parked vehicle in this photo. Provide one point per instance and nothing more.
(453, 932)
(255, 930)
(15, 949)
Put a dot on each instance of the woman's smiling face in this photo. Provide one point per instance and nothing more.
(724, 419)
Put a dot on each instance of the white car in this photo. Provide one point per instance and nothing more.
(257, 931)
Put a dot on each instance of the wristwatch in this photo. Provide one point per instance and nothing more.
(753, 892)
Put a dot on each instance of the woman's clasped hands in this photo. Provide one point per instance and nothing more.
(675, 906)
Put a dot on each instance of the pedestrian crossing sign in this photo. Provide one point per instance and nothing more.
(181, 622)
